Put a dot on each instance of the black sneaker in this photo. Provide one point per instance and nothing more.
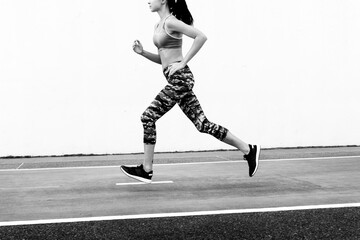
(253, 159)
(137, 173)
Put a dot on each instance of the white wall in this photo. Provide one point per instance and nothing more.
(279, 73)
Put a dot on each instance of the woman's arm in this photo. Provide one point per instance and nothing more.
(138, 48)
(175, 25)
(151, 56)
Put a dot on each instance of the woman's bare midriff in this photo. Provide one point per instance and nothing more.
(170, 55)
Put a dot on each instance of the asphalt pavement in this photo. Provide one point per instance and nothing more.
(195, 195)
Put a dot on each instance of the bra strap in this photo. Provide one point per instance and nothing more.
(167, 30)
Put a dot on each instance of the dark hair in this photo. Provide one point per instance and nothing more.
(179, 9)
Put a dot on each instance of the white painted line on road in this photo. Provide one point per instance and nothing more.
(264, 160)
(58, 168)
(189, 163)
(142, 183)
(178, 214)
(24, 188)
(307, 159)
(20, 166)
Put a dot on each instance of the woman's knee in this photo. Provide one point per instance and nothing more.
(146, 118)
(203, 126)
(143, 118)
(149, 128)
(211, 128)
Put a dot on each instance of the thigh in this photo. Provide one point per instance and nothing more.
(181, 83)
(162, 103)
(190, 105)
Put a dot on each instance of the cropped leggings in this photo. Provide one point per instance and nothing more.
(178, 91)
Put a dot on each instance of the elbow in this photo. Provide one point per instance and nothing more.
(204, 37)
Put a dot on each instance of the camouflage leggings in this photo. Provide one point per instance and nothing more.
(178, 90)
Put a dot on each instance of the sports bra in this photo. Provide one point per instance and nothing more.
(163, 39)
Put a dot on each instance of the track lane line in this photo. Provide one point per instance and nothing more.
(28, 188)
(142, 183)
(179, 164)
(20, 166)
(178, 214)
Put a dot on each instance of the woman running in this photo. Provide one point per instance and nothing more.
(176, 21)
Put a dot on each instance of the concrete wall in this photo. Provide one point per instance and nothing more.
(280, 73)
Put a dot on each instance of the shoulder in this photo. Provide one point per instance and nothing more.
(174, 24)
(171, 19)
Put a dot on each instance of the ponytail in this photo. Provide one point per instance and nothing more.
(179, 9)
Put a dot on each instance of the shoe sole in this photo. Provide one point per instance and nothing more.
(258, 149)
(144, 180)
